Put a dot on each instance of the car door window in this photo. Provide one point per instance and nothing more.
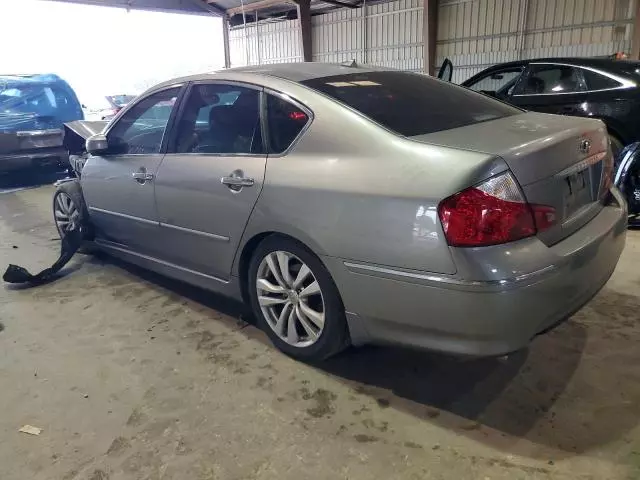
(597, 81)
(220, 119)
(141, 129)
(285, 122)
(497, 83)
(551, 79)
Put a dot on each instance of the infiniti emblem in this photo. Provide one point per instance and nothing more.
(585, 146)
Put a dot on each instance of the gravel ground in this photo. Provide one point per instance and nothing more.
(132, 376)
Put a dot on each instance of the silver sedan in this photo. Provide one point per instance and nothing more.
(351, 205)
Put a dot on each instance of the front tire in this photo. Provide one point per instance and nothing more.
(70, 210)
(295, 300)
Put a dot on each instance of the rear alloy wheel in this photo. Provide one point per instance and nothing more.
(290, 298)
(295, 300)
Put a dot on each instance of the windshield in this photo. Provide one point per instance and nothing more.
(411, 104)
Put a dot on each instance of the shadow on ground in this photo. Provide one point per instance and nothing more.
(575, 389)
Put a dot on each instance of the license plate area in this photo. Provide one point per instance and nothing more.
(577, 192)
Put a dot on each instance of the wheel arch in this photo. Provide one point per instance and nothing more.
(241, 267)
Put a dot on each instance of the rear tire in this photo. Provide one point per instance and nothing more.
(301, 311)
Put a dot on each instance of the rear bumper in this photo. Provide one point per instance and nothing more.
(42, 158)
(483, 317)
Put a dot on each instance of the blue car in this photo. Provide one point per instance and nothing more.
(33, 109)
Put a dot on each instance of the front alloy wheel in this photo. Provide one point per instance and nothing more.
(290, 298)
(66, 214)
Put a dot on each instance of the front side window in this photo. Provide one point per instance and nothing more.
(411, 104)
(597, 81)
(550, 79)
(221, 119)
(141, 129)
(497, 84)
(285, 121)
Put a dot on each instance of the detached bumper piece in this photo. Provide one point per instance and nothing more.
(70, 245)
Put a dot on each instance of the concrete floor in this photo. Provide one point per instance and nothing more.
(132, 376)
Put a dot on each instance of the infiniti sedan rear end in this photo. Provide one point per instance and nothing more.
(352, 205)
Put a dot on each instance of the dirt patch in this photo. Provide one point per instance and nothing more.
(361, 438)
(118, 446)
(323, 399)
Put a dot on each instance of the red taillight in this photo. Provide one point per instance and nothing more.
(492, 213)
(298, 116)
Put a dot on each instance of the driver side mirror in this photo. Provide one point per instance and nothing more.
(97, 144)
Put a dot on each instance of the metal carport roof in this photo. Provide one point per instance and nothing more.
(219, 8)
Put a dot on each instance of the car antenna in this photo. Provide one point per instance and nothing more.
(352, 64)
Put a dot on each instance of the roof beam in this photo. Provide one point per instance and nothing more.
(635, 40)
(165, 6)
(430, 34)
(338, 3)
(260, 5)
(304, 18)
(210, 7)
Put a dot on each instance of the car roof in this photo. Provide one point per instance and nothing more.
(299, 72)
(295, 72)
(602, 63)
(37, 78)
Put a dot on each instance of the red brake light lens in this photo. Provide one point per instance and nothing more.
(492, 213)
(298, 116)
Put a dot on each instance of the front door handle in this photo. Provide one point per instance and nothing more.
(236, 181)
(141, 176)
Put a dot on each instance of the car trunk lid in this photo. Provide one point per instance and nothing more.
(561, 162)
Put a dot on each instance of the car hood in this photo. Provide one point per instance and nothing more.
(85, 128)
(76, 134)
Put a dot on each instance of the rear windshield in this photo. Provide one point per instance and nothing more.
(40, 99)
(410, 104)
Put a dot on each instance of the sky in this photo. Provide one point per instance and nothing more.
(105, 51)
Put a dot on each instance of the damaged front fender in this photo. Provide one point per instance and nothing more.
(76, 134)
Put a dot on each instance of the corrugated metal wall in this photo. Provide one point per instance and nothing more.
(270, 41)
(393, 33)
(472, 33)
(475, 34)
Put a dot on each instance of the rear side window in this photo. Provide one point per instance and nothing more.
(550, 79)
(411, 104)
(596, 81)
(285, 122)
